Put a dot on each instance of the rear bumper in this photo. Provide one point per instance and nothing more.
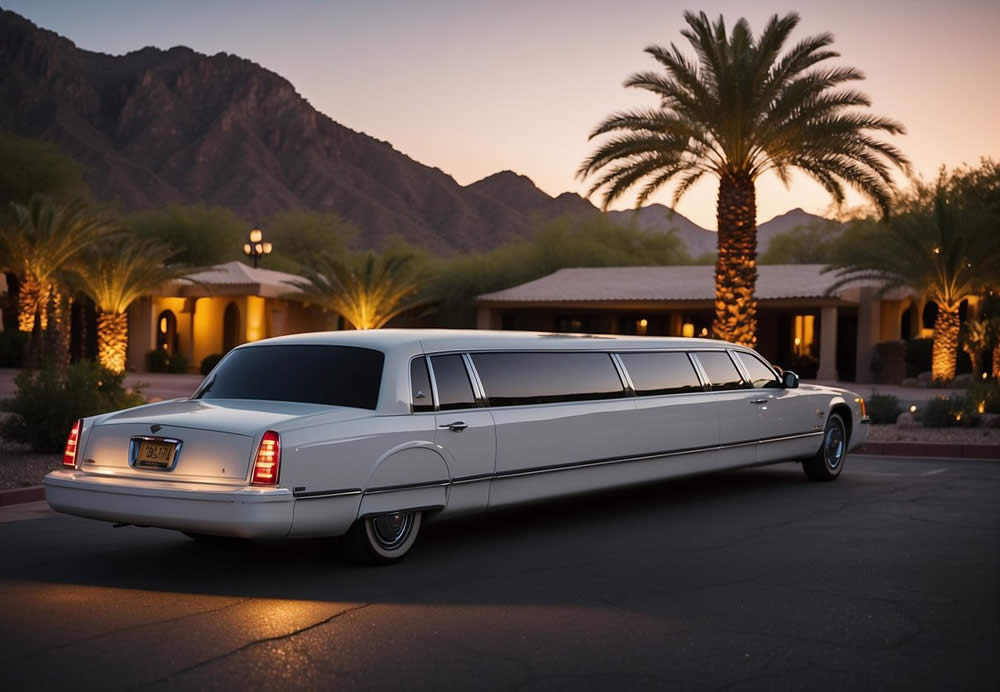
(245, 512)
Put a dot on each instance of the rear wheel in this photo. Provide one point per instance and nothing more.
(829, 460)
(382, 539)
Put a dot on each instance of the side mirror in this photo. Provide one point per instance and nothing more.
(789, 380)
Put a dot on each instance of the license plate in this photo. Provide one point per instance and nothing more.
(155, 454)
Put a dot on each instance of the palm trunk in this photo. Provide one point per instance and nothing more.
(736, 265)
(945, 352)
(29, 302)
(996, 363)
(112, 340)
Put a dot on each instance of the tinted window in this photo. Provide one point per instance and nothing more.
(761, 376)
(511, 379)
(454, 388)
(721, 371)
(661, 373)
(420, 386)
(331, 375)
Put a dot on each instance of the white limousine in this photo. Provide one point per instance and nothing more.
(367, 433)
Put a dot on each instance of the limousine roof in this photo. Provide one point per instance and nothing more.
(434, 340)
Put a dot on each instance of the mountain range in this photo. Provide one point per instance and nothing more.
(158, 127)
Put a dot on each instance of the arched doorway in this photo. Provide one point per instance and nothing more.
(166, 332)
(230, 328)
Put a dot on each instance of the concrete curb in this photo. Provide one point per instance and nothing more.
(932, 449)
(19, 496)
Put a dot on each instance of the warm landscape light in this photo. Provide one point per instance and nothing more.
(982, 407)
(913, 408)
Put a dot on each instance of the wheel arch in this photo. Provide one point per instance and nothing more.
(844, 410)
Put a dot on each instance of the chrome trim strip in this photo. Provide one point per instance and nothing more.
(699, 371)
(407, 486)
(434, 386)
(623, 374)
(477, 384)
(318, 494)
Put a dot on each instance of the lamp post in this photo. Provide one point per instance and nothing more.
(256, 248)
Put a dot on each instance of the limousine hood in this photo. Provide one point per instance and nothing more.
(239, 416)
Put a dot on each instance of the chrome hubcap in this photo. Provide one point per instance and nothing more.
(833, 445)
(391, 530)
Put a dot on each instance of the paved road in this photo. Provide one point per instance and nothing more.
(888, 579)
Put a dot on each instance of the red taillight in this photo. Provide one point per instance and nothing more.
(69, 454)
(268, 460)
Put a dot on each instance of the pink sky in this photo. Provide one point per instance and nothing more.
(476, 87)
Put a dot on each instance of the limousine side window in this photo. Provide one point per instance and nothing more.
(661, 373)
(721, 371)
(420, 385)
(761, 376)
(453, 386)
(514, 379)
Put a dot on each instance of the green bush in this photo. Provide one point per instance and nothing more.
(177, 363)
(987, 393)
(947, 412)
(884, 409)
(161, 361)
(209, 362)
(12, 344)
(47, 402)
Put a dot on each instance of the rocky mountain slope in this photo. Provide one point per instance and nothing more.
(157, 127)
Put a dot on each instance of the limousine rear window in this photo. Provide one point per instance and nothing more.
(420, 385)
(330, 375)
(761, 376)
(513, 379)
(721, 371)
(661, 373)
(453, 387)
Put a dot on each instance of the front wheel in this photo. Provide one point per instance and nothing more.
(829, 460)
(382, 539)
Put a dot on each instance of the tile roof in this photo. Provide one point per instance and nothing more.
(236, 277)
(685, 282)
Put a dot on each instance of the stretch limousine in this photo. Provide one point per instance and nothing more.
(367, 433)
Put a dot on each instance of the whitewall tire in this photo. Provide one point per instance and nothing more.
(383, 539)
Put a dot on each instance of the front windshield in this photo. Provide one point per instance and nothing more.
(330, 375)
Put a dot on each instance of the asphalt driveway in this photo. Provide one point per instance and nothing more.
(886, 579)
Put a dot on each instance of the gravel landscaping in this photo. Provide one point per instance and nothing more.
(20, 467)
(897, 433)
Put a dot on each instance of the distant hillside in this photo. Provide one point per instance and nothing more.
(158, 127)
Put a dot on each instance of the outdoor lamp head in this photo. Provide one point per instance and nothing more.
(247, 249)
(258, 249)
(256, 235)
(267, 248)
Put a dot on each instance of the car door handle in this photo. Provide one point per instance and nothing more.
(457, 426)
(760, 401)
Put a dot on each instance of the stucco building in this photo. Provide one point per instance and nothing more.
(802, 325)
(214, 310)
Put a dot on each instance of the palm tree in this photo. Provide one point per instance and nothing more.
(114, 276)
(944, 253)
(44, 237)
(742, 110)
(368, 293)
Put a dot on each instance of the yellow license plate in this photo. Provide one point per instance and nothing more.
(157, 455)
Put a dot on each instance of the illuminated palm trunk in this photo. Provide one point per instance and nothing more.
(736, 265)
(996, 363)
(29, 301)
(945, 353)
(112, 340)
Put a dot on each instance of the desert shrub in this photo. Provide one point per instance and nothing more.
(177, 362)
(987, 393)
(12, 343)
(47, 402)
(946, 412)
(209, 362)
(884, 409)
(161, 361)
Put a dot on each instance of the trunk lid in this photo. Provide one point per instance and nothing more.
(189, 439)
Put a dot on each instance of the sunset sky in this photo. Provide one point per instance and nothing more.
(475, 87)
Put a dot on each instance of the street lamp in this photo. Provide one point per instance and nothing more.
(256, 248)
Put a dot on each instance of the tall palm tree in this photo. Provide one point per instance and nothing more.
(113, 276)
(741, 110)
(43, 239)
(945, 253)
(368, 293)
